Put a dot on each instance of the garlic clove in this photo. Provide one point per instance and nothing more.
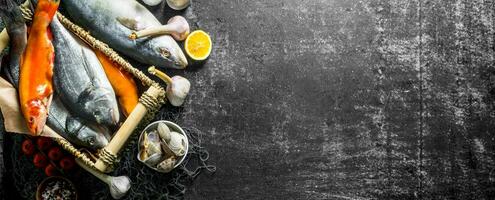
(119, 186)
(178, 90)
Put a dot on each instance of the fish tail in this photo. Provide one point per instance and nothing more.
(47, 6)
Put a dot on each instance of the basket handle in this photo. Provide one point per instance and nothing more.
(148, 102)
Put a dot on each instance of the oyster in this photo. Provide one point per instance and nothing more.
(150, 151)
(164, 132)
(143, 147)
(153, 160)
(177, 143)
(153, 144)
(167, 165)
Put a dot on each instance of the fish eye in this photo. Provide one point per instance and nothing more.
(165, 53)
(91, 140)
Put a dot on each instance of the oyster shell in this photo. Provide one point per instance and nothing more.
(153, 160)
(150, 151)
(143, 147)
(164, 132)
(167, 165)
(153, 141)
(177, 143)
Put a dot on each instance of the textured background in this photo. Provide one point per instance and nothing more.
(345, 99)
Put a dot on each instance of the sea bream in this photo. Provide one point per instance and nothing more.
(112, 21)
(80, 80)
(59, 119)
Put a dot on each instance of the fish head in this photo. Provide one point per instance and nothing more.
(87, 135)
(102, 104)
(36, 114)
(167, 53)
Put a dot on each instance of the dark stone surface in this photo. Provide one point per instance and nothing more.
(346, 99)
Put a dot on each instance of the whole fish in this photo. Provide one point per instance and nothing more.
(59, 119)
(122, 82)
(80, 80)
(35, 84)
(73, 128)
(112, 21)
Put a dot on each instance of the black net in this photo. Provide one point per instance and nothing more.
(146, 183)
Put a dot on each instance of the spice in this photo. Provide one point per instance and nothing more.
(58, 189)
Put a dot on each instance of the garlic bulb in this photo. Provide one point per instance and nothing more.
(178, 28)
(178, 90)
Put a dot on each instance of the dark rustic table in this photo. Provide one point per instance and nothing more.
(345, 99)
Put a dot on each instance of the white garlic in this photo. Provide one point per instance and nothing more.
(178, 90)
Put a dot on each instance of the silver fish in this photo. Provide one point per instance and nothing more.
(87, 135)
(112, 21)
(80, 79)
(59, 119)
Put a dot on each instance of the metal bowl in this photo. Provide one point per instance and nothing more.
(42, 186)
(173, 127)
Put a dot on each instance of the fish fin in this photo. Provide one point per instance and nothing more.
(72, 126)
(132, 23)
(48, 103)
(85, 94)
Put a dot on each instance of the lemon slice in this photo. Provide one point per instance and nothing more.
(198, 45)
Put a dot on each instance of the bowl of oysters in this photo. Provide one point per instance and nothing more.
(163, 145)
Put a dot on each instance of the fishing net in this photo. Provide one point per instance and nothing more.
(146, 183)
